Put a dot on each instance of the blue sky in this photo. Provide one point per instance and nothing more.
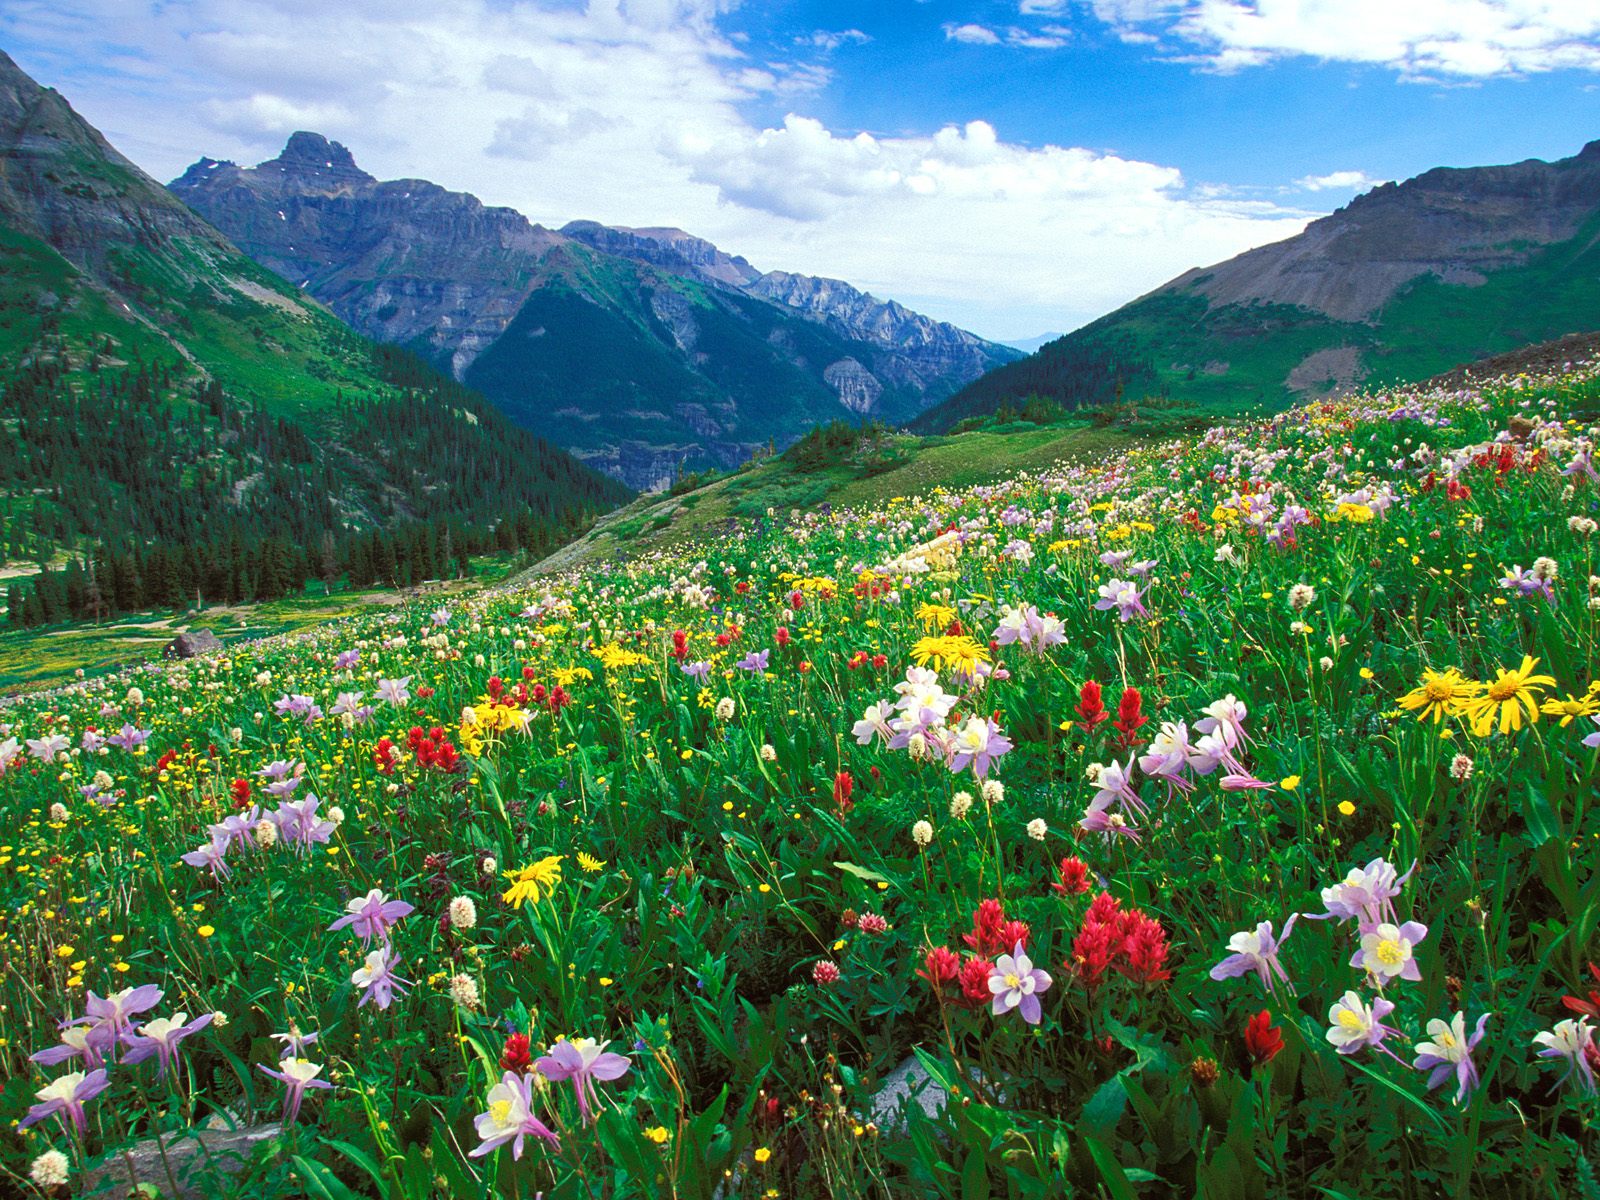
(1015, 166)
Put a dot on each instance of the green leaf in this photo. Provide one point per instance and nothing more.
(1116, 1179)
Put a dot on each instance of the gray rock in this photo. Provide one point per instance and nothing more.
(195, 1161)
(192, 643)
(907, 1084)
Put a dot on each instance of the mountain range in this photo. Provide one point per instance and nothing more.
(169, 400)
(1405, 281)
(646, 352)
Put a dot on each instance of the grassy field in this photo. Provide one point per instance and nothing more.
(918, 466)
(35, 658)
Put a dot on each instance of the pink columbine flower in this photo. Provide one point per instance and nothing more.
(68, 1095)
(1365, 895)
(1573, 1042)
(114, 1014)
(377, 980)
(509, 1117)
(372, 916)
(1354, 1025)
(977, 743)
(78, 1040)
(1015, 983)
(583, 1060)
(161, 1037)
(1450, 1053)
(1388, 951)
(1256, 950)
(296, 1075)
(1123, 596)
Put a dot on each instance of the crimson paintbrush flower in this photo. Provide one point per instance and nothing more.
(1262, 1039)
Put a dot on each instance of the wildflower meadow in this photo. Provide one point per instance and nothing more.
(1215, 819)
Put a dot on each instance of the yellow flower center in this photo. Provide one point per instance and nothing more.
(1390, 953)
(500, 1112)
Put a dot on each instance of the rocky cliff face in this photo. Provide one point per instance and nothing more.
(404, 261)
(63, 183)
(643, 350)
(1458, 224)
(928, 356)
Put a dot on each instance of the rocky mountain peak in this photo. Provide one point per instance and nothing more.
(313, 158)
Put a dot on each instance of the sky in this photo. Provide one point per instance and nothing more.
(1015, 166)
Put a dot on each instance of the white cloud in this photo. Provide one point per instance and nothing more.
(1049, 37)
(1422, 39)
(832, 39)
(1338, 181)
(972, 35)
(634, 113)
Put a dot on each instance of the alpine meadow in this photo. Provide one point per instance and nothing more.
(497, 709)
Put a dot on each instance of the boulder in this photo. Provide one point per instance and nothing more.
(195, 1162)
(196, 641)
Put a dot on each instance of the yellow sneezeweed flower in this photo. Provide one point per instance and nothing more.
(935, 616)
(1289, 782)
(1571, 708)
(1366, 672)
(657, 1134)
(1441, 694)
(762, 1154)
(533, 881)
(959, 653)
(206, 931)
(1507, 698)
(1347, 808)
(589, 862)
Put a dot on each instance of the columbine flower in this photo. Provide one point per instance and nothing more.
(509, 1117)
(394, 691)
(1387, 951)
(161, 1037)
(296, 1075)
(1015, 983)
(1123, 596)
(1255, 950)
(1355, 1025)
(977, 743)
(68, 1095)
(754, 662)
(582, 1061)
(113, 1015)
(377, 980)
(372, 916)
(534, 881)
(1450, 1052)
(78, 1040)
(294, 1042)
(1366, 894)
(1573, 1041)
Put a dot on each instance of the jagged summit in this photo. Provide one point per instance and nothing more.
(646, 349)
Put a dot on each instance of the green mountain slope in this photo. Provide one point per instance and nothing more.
(645, 351)
(1404, 282)
(183, 420)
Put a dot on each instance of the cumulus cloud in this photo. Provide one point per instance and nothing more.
(1421, 39)
(1338, 181)
(636, 112)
